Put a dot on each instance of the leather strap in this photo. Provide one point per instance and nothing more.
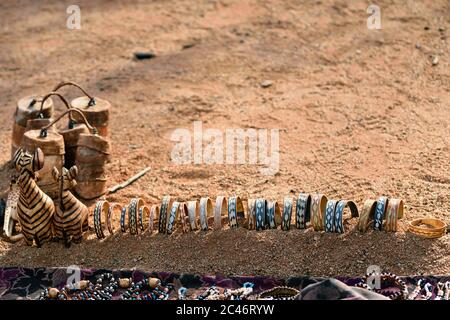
(339, 214)
(287, 213)
(101, 209)
(273, 214)
(367, 215)
(251, 209)
(220, 211)
(260, 212)
(329, 215)
(380, 212)
(393, 213)
(206, 211)
(318, 204)
(154, 215)
(133, 209)
(165, 207)
(303, 210)
(194, 213)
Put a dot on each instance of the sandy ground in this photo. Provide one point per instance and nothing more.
(361, 113)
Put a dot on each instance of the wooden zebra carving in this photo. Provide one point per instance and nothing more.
(71, 217)
(35, 209)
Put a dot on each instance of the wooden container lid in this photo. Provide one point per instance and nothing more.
(52, 144)
(27, 110)
(97, 114)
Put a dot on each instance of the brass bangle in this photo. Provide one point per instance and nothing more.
(318, 204)
(393, 213)
(133, 208)
(184, 219)
(165, 207)
(220, 212)
(367, 215)
(437, 228)
(110, 221)
(101, 208)
(251, 209)
(194, 213)
(154, 216)
(144, 211)
(206, 212)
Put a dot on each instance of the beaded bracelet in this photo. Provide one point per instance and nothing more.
(367, 215)
(235, 211)
(154, 215)
(220, 211)
(402, 293)
(380, 212)
(260, 205)
(329, 215)
(101, 208)
(302, 211)
(206, 211)
(123, 226)
(273, 214)
(193, 212)
(143, 212)
(318, 204)
(338, 217)
(287, 213)
(133, 208)
(111, 218)
(174, 211)
(393, 213)
(165, 207)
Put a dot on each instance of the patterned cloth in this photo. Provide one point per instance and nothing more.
(28, 283)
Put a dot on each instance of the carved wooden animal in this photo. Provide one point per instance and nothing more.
(35, 209)
(71, 217)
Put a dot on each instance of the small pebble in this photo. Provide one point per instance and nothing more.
(144, 55)
(266, 83)
(358, 51)
(426, 28)
(418, 46)
(441, 29)
(435, 61)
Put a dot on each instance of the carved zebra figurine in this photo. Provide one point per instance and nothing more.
(35, 209)
(71, 217)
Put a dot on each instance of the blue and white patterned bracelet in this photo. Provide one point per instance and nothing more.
(235, 204)
(380, 212)
(273, 214)
(287, 214)
(165, 207)
(173, 216)
(123, 214)
(205, 212)
(260, 213)
(302, 210)
(338, 216)
(329, 215)
(220, 210)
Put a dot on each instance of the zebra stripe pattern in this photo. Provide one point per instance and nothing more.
(35, 209)
(71, 216)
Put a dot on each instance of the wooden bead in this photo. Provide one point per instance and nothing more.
(84, 284)
(124, 282)
(153, 282)
(53, 293)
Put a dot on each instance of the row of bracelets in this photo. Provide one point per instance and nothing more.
(258, 214)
